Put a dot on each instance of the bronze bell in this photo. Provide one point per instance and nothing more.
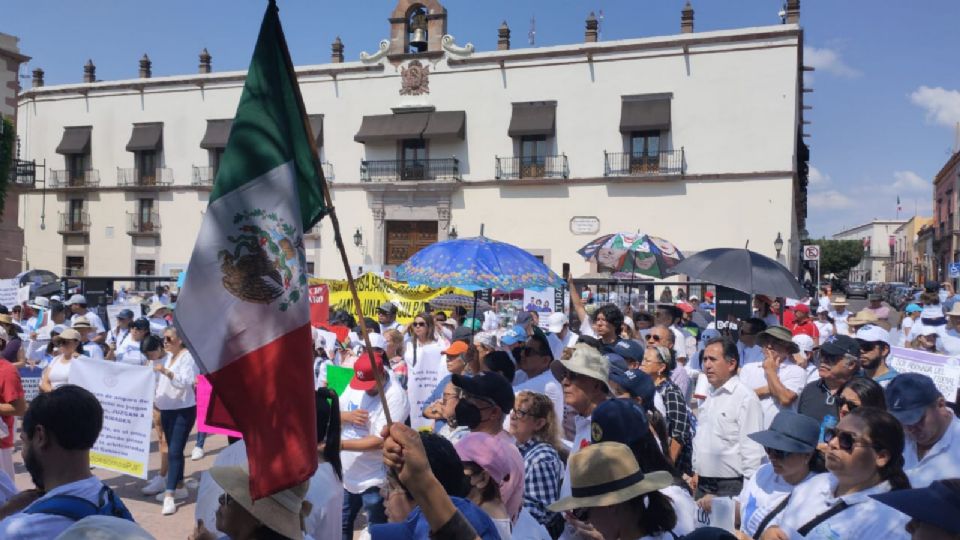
(418, 39)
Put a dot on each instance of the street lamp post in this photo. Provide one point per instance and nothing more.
(358, 238)
(778, 245)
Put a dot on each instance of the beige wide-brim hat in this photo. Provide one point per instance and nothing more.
(605, 474)
(155, 307)
(839, 300)
(586, 361)
(862, 317)
(81, 322)
(280, 511)
(954, 311)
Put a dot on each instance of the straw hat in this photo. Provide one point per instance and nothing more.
(280, 511)
(839, 300)
(81, 322)
(862, 317)
(5, 318)
(605, 474)
(154, 308)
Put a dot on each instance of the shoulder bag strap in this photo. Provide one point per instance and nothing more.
(840, 507)
(769, 517)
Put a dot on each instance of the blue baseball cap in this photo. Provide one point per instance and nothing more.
(790, 432)
(514, 335)
(913, 308)
(630, 350)
(617, 363)
(908, 395)
(938, 504)
(125, 314)
(618, 420)
(638, 384)
(416, 526)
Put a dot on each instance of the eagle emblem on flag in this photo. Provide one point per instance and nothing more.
(267, 261)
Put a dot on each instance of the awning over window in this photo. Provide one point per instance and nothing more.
(146, 137)
(316, 124)
(533, 118)
(76, 140)
(642, 113)
(446, 124)
(218, 131)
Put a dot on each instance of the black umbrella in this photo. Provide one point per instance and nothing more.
(743, 270)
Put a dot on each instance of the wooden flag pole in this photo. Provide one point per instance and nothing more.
(315, 158)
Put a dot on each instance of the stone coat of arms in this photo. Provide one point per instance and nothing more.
(414, 79)
(267, 261)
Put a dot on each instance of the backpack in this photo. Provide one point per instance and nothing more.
(76, 508)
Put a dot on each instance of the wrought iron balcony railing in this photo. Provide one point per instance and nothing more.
(532, 167)
(134, 177)
(67, 178)
(666, 163)
(396, 170)
(143, 223)
(203, 176)
(74, 223)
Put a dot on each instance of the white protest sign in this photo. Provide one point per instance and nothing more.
(113, 309)
(944, 371)
(9, 289)
(125, 392)
(23, 294)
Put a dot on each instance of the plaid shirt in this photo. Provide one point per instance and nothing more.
(679, 425)
(542, 473)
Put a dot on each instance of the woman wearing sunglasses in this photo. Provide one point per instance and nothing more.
(58, 372)
(425, 368)
(864, 457)
(860, 392)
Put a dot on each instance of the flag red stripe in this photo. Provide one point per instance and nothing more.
(269, 393)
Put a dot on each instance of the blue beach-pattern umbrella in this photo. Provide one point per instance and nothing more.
(475, 264)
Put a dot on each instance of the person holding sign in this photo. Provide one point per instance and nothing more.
(425, 367)
(58, 372)
(177, 402)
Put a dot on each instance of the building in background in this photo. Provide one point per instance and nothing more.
(12, 255)
(929, 266)
(878, 242)
(905, 266)
(946, 185)
(694, 137)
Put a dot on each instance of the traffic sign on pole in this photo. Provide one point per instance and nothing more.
(811, 253)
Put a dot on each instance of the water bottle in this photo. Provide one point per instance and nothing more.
(829, 422)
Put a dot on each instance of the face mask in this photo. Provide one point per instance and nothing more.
(467, 414)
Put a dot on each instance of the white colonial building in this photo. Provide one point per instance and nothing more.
(694, 137)
(879, 241)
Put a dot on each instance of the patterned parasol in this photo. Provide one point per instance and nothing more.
(632, 254)
(477, 263)
(452, 300)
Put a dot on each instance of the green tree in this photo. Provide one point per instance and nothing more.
(838, 256)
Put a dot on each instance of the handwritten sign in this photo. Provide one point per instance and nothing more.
(319, 296)
(944, 371)
(9, 289)
(30, 379)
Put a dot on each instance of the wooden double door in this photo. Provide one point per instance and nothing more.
(404, 238)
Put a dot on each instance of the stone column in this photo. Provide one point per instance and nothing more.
(206, 61)
(336, 51)
(89, 72)
(503, 37)
(593, 27)
(145, 64)
(37, 78)
(686, 19)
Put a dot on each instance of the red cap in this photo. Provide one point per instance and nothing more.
(363, 376)
(708, 294)
(803, 308)
(685, 307)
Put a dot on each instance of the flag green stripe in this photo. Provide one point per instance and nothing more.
(268, 129)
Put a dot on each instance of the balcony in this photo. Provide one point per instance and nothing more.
(203, 176)
(66, 178)
(23, 173)
(134, 177)
(509, 168)
(666, 163)
(74, 224)
(395, 170)
(143, 224)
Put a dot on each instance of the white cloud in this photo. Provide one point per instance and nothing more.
(942, 105)
(818, 179)
(828, 200)
(829, 61)
(911, 182)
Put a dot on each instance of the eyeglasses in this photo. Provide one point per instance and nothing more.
(520, 414)
(773, 453)
(419, 324)
(846, 440)
(841, 401)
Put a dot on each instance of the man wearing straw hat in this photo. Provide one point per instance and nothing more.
(839, 314)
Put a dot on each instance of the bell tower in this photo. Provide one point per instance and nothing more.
(417, 26)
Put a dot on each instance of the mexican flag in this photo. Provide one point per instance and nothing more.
(244, 310)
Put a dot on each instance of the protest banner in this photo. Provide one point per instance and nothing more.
(319, 296)
(732, 306)
(9, 288)
(944, 371)
(542, 301)
(30, 380)
(203, 404)
(113, 309)
(375, 290)
(125, 392)
(23, 294)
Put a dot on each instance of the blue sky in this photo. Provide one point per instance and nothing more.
(886, 99)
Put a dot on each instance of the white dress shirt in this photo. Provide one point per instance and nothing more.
(721, 448)
(942, 461)
(792, 376)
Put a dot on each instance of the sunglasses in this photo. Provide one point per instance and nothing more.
(419, 324)
(841, 401)
(520, 414)
(653, 337)
(846, 441)
(867, 346)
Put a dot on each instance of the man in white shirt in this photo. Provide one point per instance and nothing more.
(932, 446)
(78, 306)
(161, 296)
(387, 317)
(747, 347)
(68, 416)
(561, 336)
(535, 361)
(839, 314)
(723, 454)
(777, 380)
(363, 418)
(88, 347)
(670, 316)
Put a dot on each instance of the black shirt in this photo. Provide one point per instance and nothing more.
(816, 401)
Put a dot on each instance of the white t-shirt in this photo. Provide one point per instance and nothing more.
(422, 377)
(545, 383)
(128, 351)
(527, 527)
(93, 318)
(760, 496)
(942, 461)
(581, 439)
(364, 470)
(864, 519)
(840, 320)
(91, 349)
(792, 376)
(825, 329)
(685, 508)
(905, 325)
(23, 526)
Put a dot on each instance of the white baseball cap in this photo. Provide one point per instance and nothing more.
(873, 333)
(556, 322)
(77, 299)
(803, 341)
